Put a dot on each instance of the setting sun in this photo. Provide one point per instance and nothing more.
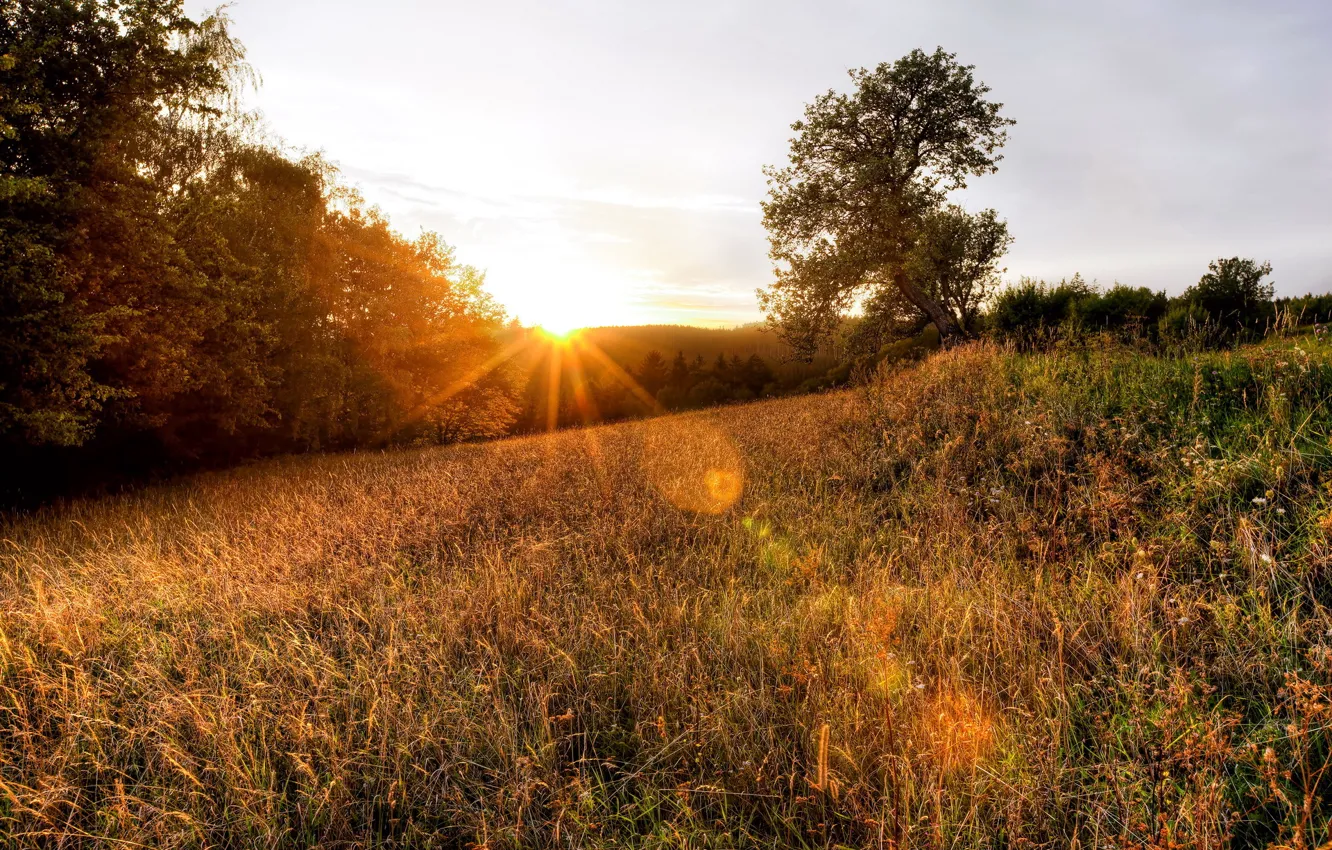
(559, 331)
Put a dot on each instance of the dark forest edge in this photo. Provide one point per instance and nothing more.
(176, 290)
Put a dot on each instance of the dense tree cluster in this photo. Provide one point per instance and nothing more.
(174, 288)
(689, 384)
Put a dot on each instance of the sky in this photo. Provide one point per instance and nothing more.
(602, 161)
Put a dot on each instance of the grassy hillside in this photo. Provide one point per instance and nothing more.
(991, 600)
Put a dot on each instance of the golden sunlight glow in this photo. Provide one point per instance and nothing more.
(558, 331)
(961, 731)
(565, 355)
(571, 293)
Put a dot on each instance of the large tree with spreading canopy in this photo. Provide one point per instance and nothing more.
(861, 209)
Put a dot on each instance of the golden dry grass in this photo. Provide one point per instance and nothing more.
(989, 601)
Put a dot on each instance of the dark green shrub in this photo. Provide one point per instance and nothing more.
(707, 392)
(673, 398)
(1234, 297)
(1135, 310)
(1189, 325)
(1031, 312)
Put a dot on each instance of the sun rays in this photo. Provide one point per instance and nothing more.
(566, 356)
(570, 355)
(690, 462)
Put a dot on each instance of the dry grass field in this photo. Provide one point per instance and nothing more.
(1076, 599)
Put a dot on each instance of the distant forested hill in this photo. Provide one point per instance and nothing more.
(628, 345)
(631, 343)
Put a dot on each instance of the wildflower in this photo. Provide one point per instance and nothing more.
(1265, 558)
(1259, 500)
(1281, 511)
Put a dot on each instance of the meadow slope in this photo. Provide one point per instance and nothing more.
(990, 600)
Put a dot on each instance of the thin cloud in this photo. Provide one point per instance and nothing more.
(622, 144)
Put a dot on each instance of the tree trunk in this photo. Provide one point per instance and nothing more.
(949, 330)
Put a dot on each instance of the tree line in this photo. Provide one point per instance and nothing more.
(628, 345)
(1232, 302)
(177, 289)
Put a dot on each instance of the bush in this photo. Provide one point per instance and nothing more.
(1229, 304)
(1024, 312)
(1120, 308)
(673, 398)
(1034, 312)
(1188, 324)
(910, 348)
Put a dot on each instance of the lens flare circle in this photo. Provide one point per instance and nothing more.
(693, 463)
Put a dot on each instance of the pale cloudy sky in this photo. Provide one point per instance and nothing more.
(602, 160)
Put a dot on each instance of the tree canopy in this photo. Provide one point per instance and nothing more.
(1233, 292)
(173, 287)
(861, 207)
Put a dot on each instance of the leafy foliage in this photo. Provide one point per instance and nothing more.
(956, 261)
(1305, 309)
(1025, 312)
(860, 208)
(1234, 294)
(175, 290)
